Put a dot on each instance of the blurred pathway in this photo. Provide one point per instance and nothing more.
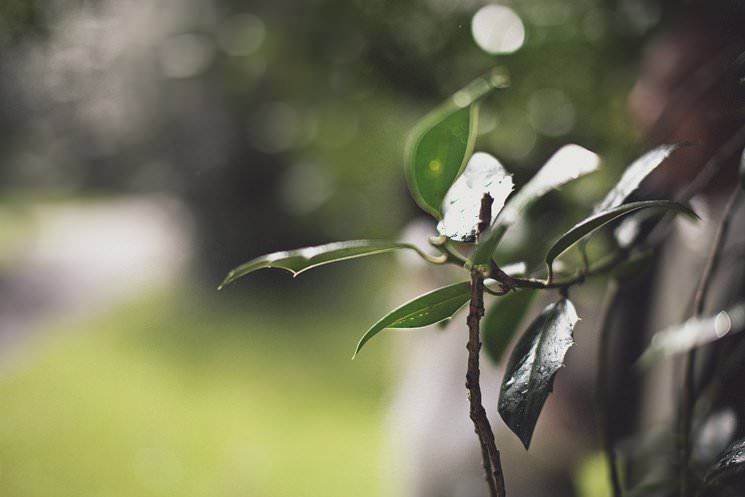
(77, 258)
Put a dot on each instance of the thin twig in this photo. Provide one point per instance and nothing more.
(602, 389)
(489, 452)
(689, 392)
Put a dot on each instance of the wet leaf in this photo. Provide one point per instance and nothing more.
(568, 163)
(442, 142)
(483, 174)
(533, 364)
(424, 310)
(596, 221)
(301, 260)
(633, 176)
(729, 466)
(502, 320)
(692, 334)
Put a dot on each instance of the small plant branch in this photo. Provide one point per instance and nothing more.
(602, 389)
(607, 264)
(489, 452)
(689, 392)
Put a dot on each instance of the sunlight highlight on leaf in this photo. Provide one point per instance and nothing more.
(483, 174)
(569, 163)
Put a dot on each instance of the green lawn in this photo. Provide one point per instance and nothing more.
(174, 395)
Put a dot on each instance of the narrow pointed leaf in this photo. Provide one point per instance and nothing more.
(300, 260)
(462, 204)
(633, 176)
(442, 142)
(532, 366)
(729, 466)
(424, 310)
(502, 320)
(596, 221)
(692, 334)
(568, 163)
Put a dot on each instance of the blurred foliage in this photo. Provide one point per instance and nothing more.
(282, 124)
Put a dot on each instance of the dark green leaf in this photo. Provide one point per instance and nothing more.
(424, 310)
(596, 221)
(502, 321)
(462, 204)
(692, 334)
(633, 176)
(567, 164)
(533, 364)
(442, 142)
(300, 260)
(729, 466)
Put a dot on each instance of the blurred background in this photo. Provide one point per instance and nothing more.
(146, 147)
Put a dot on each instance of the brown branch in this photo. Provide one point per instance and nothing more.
(602, 389)
(489, 452)
(689, 392)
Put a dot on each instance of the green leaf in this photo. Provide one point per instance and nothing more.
(729, 466)
(633, 176)
(569, 163)
(629, 182)
(502, 320)
(424, 310)
(442, 142)
(742, 169)
(533, 364)
(692, 334)
(301, 260)
(462, 204)
(596, 221)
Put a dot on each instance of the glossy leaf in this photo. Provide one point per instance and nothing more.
(596, 221)
(692, 334)
(729, 466)
(462, 204)
(442, 142)
(424, 310)
(301, 260)
(568, 163)
(633, 176)
(502, 320)
(533, 364)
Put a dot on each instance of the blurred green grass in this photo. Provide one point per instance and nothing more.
(175, 394)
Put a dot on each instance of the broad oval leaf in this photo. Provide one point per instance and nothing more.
(424, 310)
(441, 143)
(569, 163)
(729, 466)
(301, 260)
(633, 176)
(532, 366)
(462, 204)
(596, 221)
(692, 334)
(502, 320)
